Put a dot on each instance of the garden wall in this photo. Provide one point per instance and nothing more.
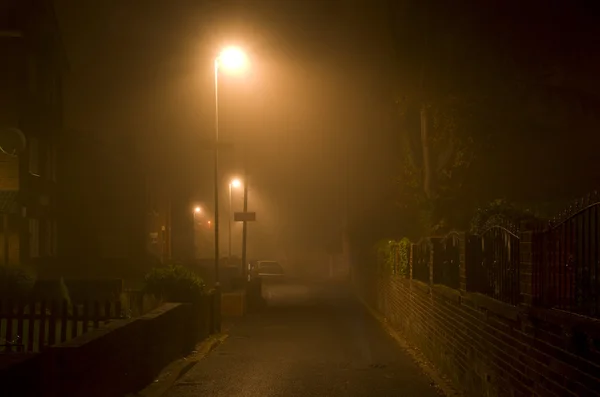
(488, 347)
(116, 359)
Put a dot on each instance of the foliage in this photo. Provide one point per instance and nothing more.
(476, 88)
(393, 256)
(443, 126)
(174, 283)
(403, 256)
(505, 209)
(16, 282)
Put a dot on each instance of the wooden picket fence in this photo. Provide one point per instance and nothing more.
(34, 326)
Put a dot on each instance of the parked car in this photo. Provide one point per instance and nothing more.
(267, 270)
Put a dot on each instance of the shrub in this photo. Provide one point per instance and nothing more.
(16, 282)
(403, 256)
(392, 256)
(174, 283)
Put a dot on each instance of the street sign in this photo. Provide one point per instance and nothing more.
(244, 216)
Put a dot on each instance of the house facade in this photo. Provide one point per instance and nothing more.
(31, 120)
(114, 208)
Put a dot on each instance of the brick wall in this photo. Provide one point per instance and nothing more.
(489, 348)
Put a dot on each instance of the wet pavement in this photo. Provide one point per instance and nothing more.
(313, 339)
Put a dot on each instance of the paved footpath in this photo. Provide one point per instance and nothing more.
(324, 346)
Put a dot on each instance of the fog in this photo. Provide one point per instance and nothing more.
(411, 165)
(315, 121)
(295, 122)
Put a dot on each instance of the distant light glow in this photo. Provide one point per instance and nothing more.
(197, 210)
(233, 59)
(236, 183)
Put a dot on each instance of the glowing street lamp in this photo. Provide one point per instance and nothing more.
(231, 59)
(235, 183)
(197, 211)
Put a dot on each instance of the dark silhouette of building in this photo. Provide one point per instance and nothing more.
(31, 119)
(114, 213)
(103, 193)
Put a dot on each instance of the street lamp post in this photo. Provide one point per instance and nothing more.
(197, 211)
(233, 184)
(245, 226)
(230, 58)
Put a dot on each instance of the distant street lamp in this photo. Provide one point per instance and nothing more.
(232, 59)
(197, 211)
(235, 183)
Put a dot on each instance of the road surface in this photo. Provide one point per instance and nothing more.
(313, 340)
